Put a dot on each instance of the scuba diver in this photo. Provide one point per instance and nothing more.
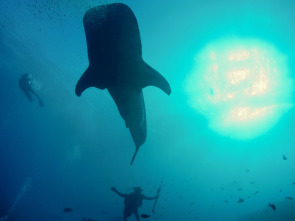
(132, 201)
(25, 84)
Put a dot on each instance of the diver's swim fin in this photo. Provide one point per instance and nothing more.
(41, 104)
(134, 155)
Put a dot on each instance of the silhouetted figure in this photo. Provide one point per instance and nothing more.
(132, 201)
(25, 84)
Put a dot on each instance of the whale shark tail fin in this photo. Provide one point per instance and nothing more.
(134, 155)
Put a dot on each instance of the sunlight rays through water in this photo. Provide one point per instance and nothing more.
(242, 86)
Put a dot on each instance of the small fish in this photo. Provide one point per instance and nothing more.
(252, 182)
(284, 157)
(240, 189)
(256, 193)
(240, 200)
(67, 210)
(226, 201)
(293, 183)
(289, 198)
(247, 171)
(192, 203)
(145, 216)
(272, 206)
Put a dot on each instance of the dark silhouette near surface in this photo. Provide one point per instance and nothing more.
(132, 201)
(116, 64)
(25, 84)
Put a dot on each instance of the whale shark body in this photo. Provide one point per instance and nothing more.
(116, 64)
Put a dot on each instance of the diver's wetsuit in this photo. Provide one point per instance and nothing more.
(25, 85)
(132, 201)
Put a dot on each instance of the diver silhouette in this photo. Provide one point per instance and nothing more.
(132, 201)
(25, 84)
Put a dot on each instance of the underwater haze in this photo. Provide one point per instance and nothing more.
(221, 145)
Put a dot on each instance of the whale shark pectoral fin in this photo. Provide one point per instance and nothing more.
(150, 77)
(89, 79)
(83, 83)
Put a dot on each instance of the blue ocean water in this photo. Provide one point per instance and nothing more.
(69, 153)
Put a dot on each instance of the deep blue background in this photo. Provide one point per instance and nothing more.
(74, 149)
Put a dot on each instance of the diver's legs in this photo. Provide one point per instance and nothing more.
(28, 95)
(41, 104)
(125, 214)
(136, 215)
(33, 92)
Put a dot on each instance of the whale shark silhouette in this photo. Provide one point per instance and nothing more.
(115, 63)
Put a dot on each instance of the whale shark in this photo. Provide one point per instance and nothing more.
(116, 64)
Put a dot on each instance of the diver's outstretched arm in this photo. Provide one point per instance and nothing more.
(116, 191)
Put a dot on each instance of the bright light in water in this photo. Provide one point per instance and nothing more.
(241, 85)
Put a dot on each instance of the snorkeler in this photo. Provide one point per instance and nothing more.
(132, 201)
(25, 84)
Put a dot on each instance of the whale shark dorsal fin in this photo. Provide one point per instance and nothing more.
(150, 77)
(89, 79)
